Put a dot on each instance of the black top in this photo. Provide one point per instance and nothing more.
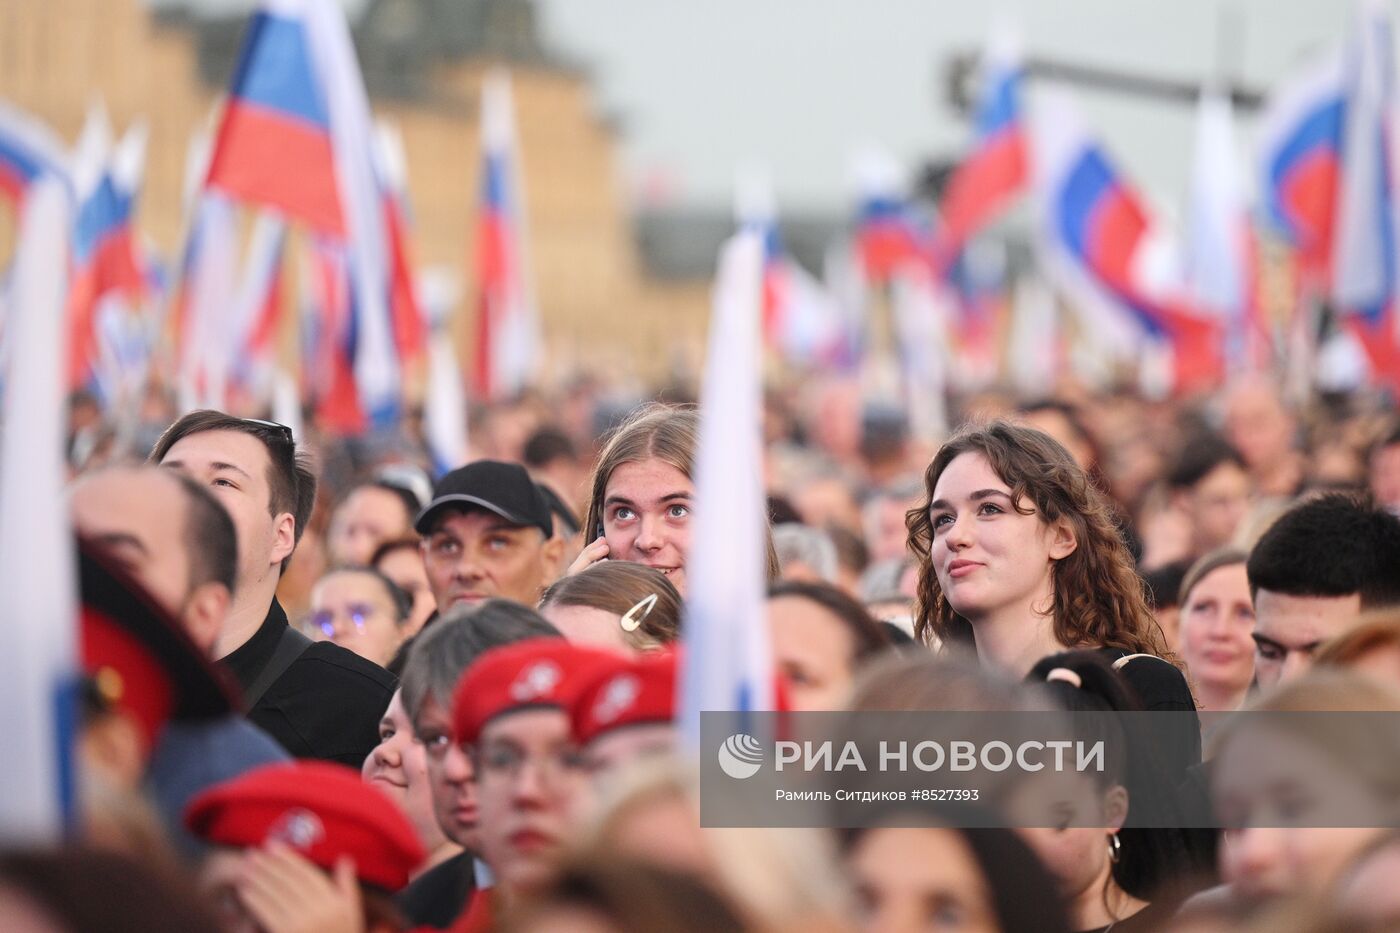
(328, 703)
(437, 897)
(1152, 917)
(1162, 688)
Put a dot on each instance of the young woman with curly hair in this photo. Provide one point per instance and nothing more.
(1019, 558)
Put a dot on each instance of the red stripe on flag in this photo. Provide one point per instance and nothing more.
(982, 185)
(266, 158)
(410, 333)
(1115, 230)
(1310, 193)
(12, 184)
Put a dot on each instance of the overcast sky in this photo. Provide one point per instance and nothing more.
(799, 85)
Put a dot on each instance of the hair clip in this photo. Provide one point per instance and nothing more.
(1068, 676)
(631, 621)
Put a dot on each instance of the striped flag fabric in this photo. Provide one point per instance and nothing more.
(105, 257)
(1220, 255)
(1095, 234)
(28, 150)
(405, 307)
(995, 171)
(295, 134)
(506, 326)
(1364, 279)
(1300, 154)
(257, 310)
(727, 663)
(38, 616)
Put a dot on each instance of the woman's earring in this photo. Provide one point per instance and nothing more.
(1114, 848)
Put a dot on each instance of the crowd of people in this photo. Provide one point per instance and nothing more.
(327, 693)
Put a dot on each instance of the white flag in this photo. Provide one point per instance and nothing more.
(728, 657)
(38, 618)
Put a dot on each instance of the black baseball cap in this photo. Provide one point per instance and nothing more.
(494, 485)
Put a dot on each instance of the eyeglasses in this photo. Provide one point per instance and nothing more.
(502, 761)
(325, 620)
(633, 618)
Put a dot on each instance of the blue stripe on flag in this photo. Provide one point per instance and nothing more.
(276, 70)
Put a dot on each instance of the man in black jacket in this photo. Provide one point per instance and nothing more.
(317, 699)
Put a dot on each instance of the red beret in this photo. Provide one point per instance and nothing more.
(322, 810)
(631, 692)
(538, 672)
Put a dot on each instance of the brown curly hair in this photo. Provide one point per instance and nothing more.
(1099, 598)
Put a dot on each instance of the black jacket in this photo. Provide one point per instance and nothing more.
(326, 705)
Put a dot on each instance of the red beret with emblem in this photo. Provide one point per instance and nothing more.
(323, 811)
(633, 691)
(538, 672)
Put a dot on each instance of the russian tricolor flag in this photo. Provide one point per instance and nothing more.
(727, 663)
(505, 322)
(274, 144)
(405, 308)
(105, 258)
(801, 322)
(1221, 258)
(28, 149)
(1300, 157)
(889, 231)
(295, 135)
(996, 169)
(1097, 237)
(1364, 279)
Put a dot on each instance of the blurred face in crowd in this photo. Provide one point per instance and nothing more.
(617, 749)
(1258, 426)
(663, 829)
(1078, 856)
(1281, 799)
(588, 625)
(646, 516)
(919, 879)
(1217, 627)
(1369, 890)
(449, 774)
(885, 532)
(1289, 629)
(529, 775)
(399, 767)
(1059, 427)
(990, 557)
(1216, 505)
(367, 518)
(404, 565)
(815, 652)
(139, 515)
(235, 467)
(1385, 477)
(355, 611)
(473, 556)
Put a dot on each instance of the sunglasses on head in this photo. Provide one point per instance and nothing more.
(279, 431)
